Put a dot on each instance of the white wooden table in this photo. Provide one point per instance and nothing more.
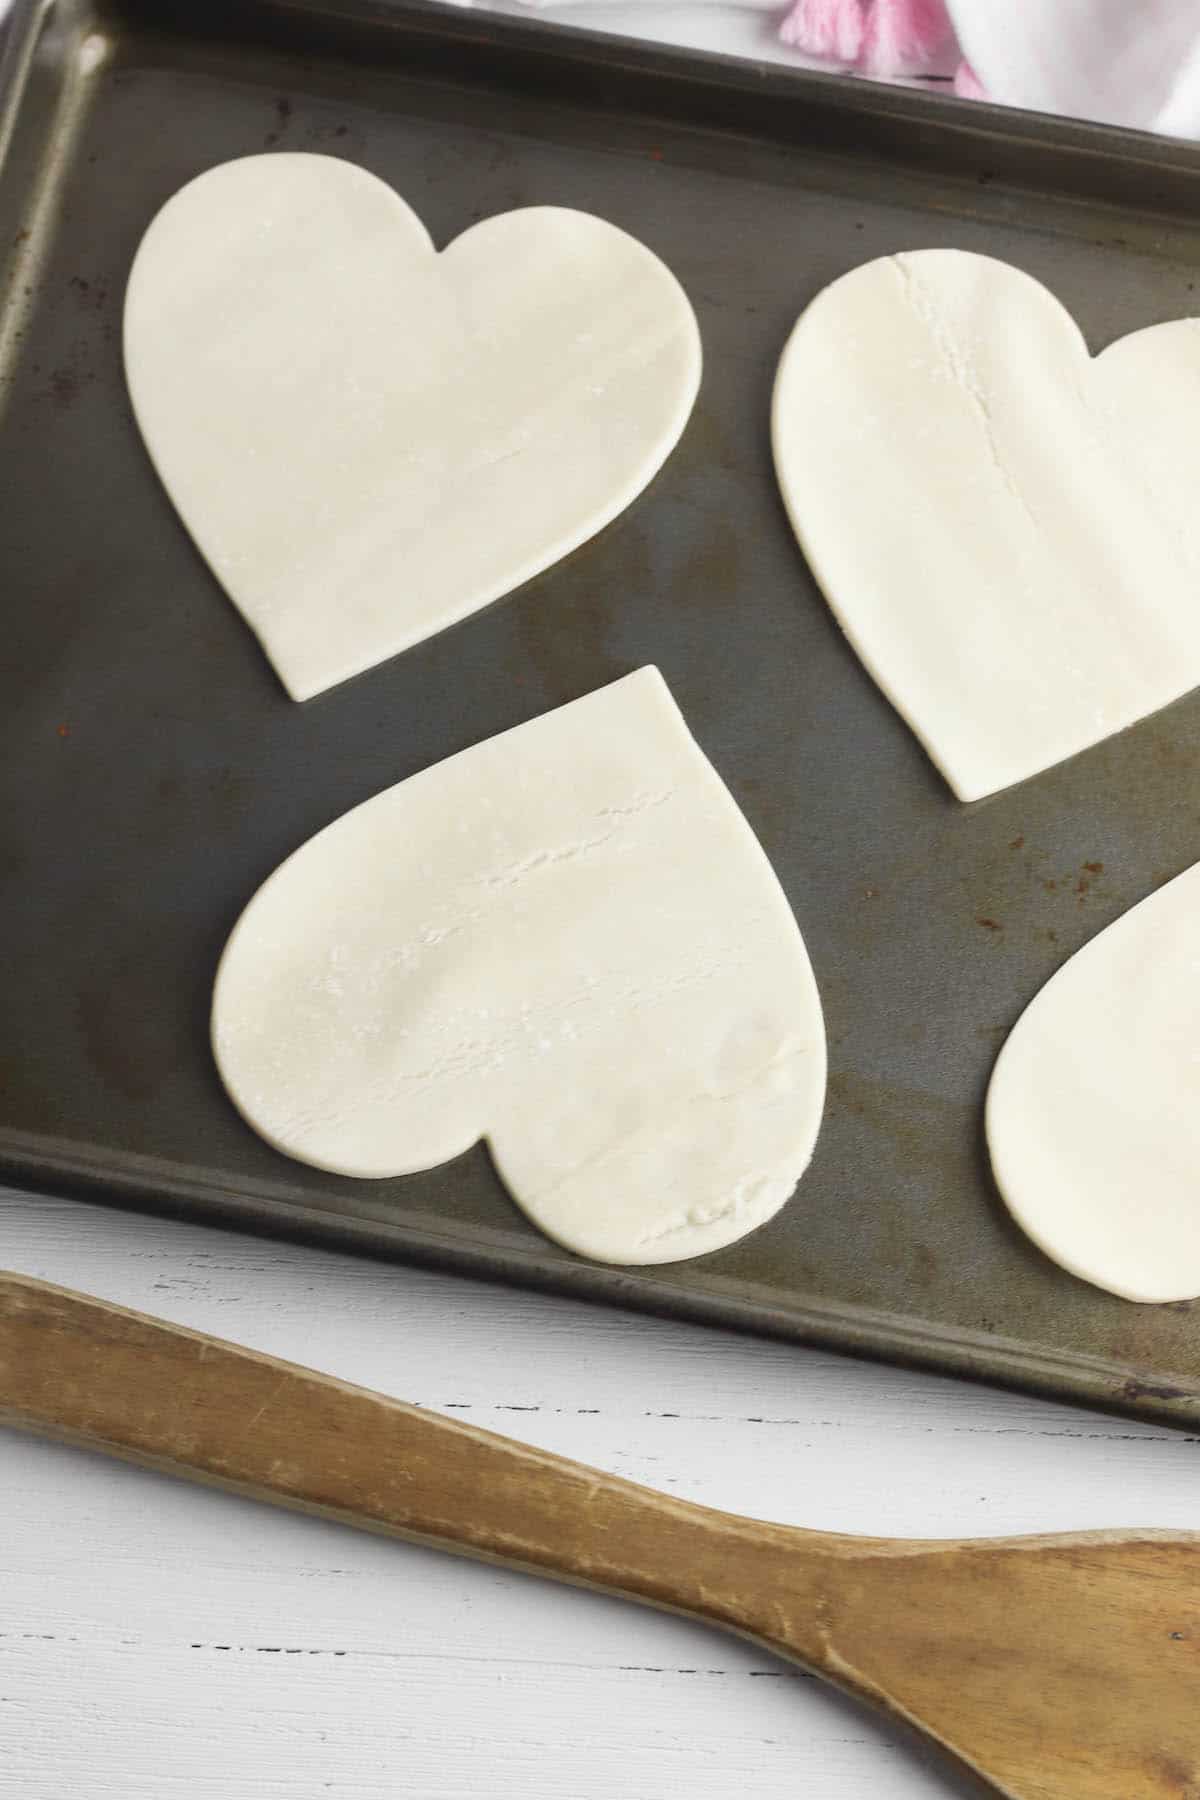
(159, 1642)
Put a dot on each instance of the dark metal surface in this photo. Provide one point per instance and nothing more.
(152, 770)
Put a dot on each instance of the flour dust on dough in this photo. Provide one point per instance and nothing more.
(369, 440)
(567, 941)
(1005, 527)
(1093, 1113)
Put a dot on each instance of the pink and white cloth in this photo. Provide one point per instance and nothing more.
(1128, 62)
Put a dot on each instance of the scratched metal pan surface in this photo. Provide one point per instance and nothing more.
(153, 772)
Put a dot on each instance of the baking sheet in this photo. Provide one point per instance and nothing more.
(153, 772)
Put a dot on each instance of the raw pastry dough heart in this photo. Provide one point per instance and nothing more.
(1005, 528)
(566, 940)
(367, 440)
(1093, 1113)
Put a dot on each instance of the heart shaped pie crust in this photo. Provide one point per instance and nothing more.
(567, 941)
(1005, 527)
(368, 440)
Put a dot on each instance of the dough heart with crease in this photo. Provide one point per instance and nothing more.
(566, 940)
(369, 441)
(1005, 527)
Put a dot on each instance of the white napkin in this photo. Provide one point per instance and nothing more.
(1130, 62)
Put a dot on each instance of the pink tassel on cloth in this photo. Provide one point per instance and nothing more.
(828, 28)
(967, 84)
(902, 37)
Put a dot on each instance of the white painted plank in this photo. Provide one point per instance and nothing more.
(158, 1640)
(225, 1726)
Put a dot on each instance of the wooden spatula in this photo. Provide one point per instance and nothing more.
(1058, 1668)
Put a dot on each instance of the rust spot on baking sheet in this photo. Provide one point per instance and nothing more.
(926, 1268)
(1133, 1389)
(1094, 868)
(1173, 756)
(283, 114)
(63, 730)
(91, 294)
(1050, 886)
(990, 924)
(65, 387)
(1018, 843)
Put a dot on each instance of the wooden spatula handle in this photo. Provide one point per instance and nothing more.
(97, 1375)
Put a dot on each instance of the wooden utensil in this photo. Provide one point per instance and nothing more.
(1058, 1668)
